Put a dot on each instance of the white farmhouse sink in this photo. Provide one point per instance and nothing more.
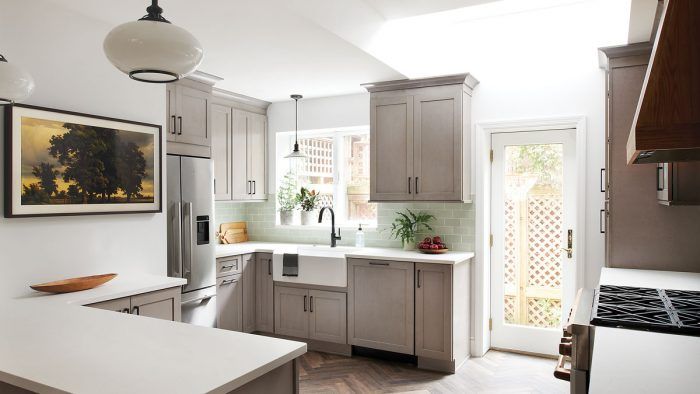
(318, 265)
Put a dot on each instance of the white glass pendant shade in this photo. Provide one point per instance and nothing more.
(153, 50)
(15, 83)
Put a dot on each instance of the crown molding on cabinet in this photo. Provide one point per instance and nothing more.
(467, 79)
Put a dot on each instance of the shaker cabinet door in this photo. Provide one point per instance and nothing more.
(434, 311)
(328, 316)
(264, 294)
(229, 293)
(192, 117)
(291, 311)
(257, 158)
(221, 133)
(248, 284)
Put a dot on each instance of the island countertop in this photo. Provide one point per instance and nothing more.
(50, 343)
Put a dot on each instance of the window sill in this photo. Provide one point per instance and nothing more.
(326, 227)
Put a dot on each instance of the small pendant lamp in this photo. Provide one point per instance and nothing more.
(15, 83)
(296, 153)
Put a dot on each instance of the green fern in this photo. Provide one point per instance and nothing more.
(406, 226)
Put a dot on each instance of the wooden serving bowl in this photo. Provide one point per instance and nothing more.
(73, 284)
(433, 251)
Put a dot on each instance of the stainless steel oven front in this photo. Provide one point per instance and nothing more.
(576, 347)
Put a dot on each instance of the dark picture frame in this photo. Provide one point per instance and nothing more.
(123, 174)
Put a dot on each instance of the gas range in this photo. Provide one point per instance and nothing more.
(659, 310)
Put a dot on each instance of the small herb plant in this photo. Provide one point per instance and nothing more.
(285, 194)
(407, 225)
(307, 199)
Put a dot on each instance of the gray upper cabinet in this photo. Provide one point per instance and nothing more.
(434, 311)
(420, 139)
(249, 156)
(248, 297)
(221, 135)
(229, 313)
(381, 305)
(264, 293)
(188, 113)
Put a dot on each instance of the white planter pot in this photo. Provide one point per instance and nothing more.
(410, 245)
(286, 217)
(308, 217)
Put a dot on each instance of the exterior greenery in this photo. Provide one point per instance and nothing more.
(307, 199)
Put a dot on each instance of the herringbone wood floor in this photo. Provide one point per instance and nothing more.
(496, 372)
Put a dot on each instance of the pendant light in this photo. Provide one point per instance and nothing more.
(296, 153)
(152, 49)
(15, 83)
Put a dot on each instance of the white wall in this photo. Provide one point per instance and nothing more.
(63, 52)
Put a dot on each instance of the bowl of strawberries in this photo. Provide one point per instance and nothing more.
(432, 245)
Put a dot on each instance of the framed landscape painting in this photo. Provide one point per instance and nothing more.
(67, 163)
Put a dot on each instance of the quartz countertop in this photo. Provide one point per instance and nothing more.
(633, 361)
(50, 343)
(394, 254)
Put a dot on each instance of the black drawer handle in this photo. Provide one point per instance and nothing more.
(660, 178)
(377, 263)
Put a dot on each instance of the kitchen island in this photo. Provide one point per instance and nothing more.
(51, 343)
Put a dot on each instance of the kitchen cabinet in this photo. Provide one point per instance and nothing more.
(381, 305)
(639, 232)
(434, 311)
(228, 265)
(678, 183)
(229, 303)
(161, 304)
(420, 139)
(309, 313)
(221, 146)
(264, 293)
(248, 289)
(187, 103)
(249, 156)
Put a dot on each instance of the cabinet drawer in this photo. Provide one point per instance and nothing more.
(228, 266)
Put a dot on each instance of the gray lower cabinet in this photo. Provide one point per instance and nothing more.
(161, 304)
(312, 314)
(434, 311)
(381, 305)
(248, 289)
(264, 293)
(229, 303)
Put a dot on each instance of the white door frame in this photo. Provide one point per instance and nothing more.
(482, 185)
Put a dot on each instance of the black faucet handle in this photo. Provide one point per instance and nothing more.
(338, 237)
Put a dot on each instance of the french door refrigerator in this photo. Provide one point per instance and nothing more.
(190, 229)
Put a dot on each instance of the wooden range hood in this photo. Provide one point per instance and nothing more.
(666, 125)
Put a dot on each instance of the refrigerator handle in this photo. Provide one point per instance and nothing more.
(177, 241)
(187, 268)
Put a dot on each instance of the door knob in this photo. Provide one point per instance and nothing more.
(569, 244)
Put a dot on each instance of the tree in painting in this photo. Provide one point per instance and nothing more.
(131, 168)
(47, 177)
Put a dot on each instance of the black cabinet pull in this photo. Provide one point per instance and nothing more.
(602, 221)
(269, 266)
(179, 118)
(311, 304)
(659, 177)
(135, 310)
(254, 188)
(247, 187)
(377, 263)
(419, 279)
(602, 180)
(416, 185)
(125, 310)
(304, 303)
(174, 129)
(409, 185)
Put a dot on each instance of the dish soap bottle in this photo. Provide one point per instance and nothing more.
(360, 238)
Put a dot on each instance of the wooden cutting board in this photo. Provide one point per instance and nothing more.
(233, 232)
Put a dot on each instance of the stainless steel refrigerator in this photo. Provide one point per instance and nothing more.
(191, 253)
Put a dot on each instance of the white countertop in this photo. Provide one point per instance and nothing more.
(361, 253)
(632, 361)
(52, 344)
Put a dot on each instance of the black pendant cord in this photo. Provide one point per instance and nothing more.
(296, 98)
(155, 13)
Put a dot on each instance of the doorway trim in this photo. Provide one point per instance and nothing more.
(482, 186)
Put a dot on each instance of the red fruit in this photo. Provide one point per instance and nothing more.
(434, 246)
(437, 240)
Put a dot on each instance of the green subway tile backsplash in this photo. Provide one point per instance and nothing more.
(454, 222)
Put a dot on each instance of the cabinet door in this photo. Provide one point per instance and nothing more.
(380, 305)
(291, 311)
(122, 305)
(192, 116)
(257, 158)
(248, 284)
(162, 304)
(171, 106)
(328, 316)
(264, 296)
(241, 185)
(221, 135)
(229, 303)
(391, 148)
(437, 145)
(434, 311)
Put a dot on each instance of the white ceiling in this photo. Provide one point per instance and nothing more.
(393, 9)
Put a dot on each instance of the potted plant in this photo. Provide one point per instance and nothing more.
(287, 199)
(308, 200)
(407, 225)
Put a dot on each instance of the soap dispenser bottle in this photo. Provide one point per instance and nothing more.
(360, 238)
